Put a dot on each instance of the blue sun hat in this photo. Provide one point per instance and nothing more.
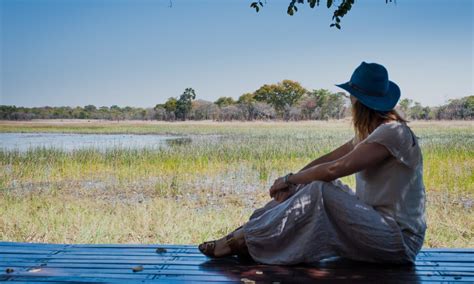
(370, 85)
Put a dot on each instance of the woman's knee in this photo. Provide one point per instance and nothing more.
(321, 185)
(333, 193)
(317, 184)
(315, 189)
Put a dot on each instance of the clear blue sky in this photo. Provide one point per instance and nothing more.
(140, 52)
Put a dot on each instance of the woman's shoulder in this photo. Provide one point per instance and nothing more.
(393, 126)
(399, 139)
(393, 130)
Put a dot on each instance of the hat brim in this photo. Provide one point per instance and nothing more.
(384, 103)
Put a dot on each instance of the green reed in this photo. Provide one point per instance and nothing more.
(201, 187)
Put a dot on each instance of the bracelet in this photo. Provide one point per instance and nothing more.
(286, 179)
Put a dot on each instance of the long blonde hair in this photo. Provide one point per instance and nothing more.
(365, 120)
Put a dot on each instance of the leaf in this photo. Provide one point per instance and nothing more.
(255, 5)
(160, 250)
(137, 268)
(338, 26)
(296, 9)
(312, 3)
(329, 3)
(260, 3)
(290, 11)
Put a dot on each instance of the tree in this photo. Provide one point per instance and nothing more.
(419, 112)
(230, 112)
(307, 105)
(462, 108)
(405, 105)
(264, 111)
(224, 101)
(202, 109)
(160, 112)
(170, 105)
(184, 103)
(247, 103)
(328, 105)
(282, 96)
(341, 10)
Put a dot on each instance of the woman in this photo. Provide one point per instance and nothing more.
(314, 216)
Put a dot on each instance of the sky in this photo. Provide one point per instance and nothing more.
(141, 52)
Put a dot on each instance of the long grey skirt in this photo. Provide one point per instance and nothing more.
(325, 219)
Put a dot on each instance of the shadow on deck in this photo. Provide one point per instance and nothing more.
(49, 263)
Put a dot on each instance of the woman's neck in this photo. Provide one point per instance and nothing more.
(379, 122)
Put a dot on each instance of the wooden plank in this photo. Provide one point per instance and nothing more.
(126, 275)
(187, 249)
(180, 264)
(183, 257)
(147, 246)
(273, 272)
(23, 250)
(98, 256)
(30, 245)
(70, 279)
(448, 250)
(173, 246)
(184, 264)
(373, 277)
(190, 254)
(119, 277)
(213, 267)
(444, 254)
(130, 246)
(453, 258)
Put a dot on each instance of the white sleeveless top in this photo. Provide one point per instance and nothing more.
(395, 187)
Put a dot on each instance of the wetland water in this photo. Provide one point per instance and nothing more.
(69, 142)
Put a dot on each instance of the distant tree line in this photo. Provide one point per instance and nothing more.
(462, 108)
(286, 100)
(87, 112)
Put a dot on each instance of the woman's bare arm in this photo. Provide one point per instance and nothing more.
(337, 153)
(332, 156)
(364, 155)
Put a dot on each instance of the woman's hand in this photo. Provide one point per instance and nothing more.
(282, 195)
(286, 193)
(277, 186)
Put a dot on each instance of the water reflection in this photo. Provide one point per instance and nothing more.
(68, 142)
(327, 271)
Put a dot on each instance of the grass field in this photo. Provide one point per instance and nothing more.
(202, 187)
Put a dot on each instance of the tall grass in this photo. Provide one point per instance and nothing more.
(188, 192)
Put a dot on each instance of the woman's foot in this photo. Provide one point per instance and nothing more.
(217, 248)
(224, 246)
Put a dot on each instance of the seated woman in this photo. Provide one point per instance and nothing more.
(314, 216)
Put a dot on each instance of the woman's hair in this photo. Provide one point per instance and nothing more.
(365, 120)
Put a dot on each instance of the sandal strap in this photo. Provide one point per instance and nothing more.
(236, 248)
(208, 248)
(232, 242)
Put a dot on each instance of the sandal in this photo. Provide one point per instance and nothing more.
(237, 248)
(208, 248)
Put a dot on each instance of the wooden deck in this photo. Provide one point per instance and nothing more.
(49, 263)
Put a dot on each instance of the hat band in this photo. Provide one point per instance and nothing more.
(364, 91)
